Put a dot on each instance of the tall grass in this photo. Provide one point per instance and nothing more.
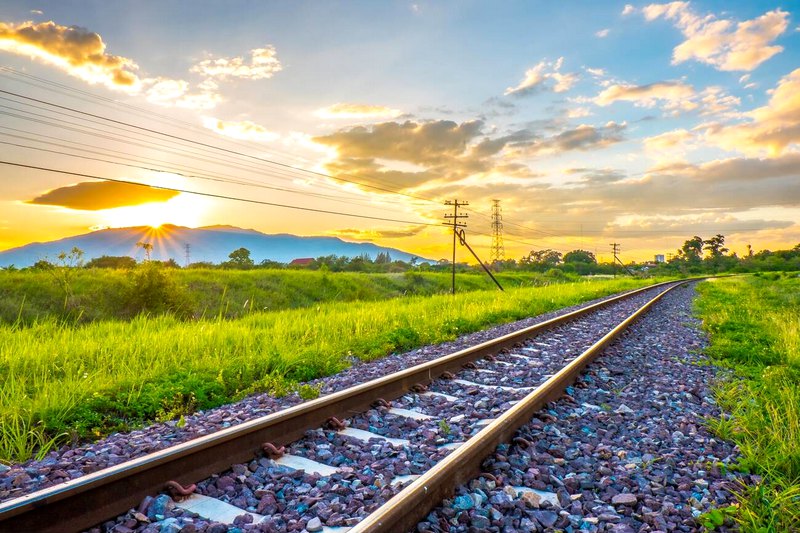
(99, 294)
(754, 326)
(62, 381)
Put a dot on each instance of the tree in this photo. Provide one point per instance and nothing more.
(240, 258)
(110, 261)
(692, 250)
(715, 246)
(383, 258)
(544, 257)
(580, 256)
(147, 247)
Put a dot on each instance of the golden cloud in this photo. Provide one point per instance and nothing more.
(357, 111)
(724, 44)
(544, 74)
(244, 130)
(673, 92)
(93, 196)
(81, 53)
(376, 233)
(76, 50)
(670, 142)
(263, 64)
(771, 129)
(414, 142)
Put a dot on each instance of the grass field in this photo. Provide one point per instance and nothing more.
(61, 381)
(754, 327)
(98, 294)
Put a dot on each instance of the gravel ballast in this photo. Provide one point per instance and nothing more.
(626, 451)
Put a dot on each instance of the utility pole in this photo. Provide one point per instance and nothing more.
(187, 249)
(616, 250)
(498, 251)
(455, 217)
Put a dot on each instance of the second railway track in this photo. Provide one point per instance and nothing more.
(406, 441)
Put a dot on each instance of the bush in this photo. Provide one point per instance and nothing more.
(153, 290)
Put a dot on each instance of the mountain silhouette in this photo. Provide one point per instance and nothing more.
(210, 243)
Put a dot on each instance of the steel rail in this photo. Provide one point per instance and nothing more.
(83, 502)
(404, 511)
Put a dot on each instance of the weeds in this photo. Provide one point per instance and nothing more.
(754, 329)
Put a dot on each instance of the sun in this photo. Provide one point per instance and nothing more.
(182, 210)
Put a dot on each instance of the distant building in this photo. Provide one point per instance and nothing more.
(302, 261)
(660, 258)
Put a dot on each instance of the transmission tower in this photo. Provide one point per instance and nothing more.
(498, 251)
(187, 249)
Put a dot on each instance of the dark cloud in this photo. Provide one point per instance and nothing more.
(93, 196)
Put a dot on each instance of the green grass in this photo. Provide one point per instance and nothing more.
(61, 381)
(754, 328)
(101, 294)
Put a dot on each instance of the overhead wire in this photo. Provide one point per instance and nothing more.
(210, 146)
(220, 196)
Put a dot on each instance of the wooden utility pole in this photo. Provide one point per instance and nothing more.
(454, 218)
(615, 250)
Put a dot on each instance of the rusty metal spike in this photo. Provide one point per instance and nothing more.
(178, 491)
(273, 452)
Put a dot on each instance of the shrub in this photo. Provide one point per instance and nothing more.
(153, 290)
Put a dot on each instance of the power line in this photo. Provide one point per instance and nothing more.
(176, 172)
(207, 145)
(220, 196)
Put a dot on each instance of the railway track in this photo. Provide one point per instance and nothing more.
(408, 439)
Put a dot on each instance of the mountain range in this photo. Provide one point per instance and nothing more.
(210, 243)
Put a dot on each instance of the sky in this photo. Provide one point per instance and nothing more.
(642, 124)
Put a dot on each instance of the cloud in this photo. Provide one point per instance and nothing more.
(427, 143)
(644, 226)
(263, 64)
(357, 111)
(675, 97)
(672, 92)
(578, 112)
(602, 33)
(667, 141)
(543, 75)
(595, 175)
(81, 53)
(770, 129)
(93, 196)
(444, 154)
(377, 233)
(168, 92)
(75, 50)
(582, 138)
(243, 130)
(627, 10)
(721, 43)
(37, 12)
